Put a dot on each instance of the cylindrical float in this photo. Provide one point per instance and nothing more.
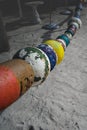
(50, 53)
(58, 49)
(38, 60)
(16, 77)
(76, 20)
(71, 30)
(65, 38)
(68, 34)
(62, 42)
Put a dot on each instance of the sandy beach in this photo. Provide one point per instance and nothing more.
(60, 102)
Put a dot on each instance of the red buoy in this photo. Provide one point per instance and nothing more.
(9, 87)
(16, 77)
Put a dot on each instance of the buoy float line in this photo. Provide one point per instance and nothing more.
(31, 65)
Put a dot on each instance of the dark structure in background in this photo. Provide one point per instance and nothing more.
(4, 44)
(13, 8)
(10, 7)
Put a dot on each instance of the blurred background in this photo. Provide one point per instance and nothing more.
(11, 7)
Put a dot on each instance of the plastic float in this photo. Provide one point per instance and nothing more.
(31, 65)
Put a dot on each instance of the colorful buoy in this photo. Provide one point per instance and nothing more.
(58, 49)
(73, 23)
(65, 38)
(71, 30)
(9, 87)
(62, 42)
(76, 20)
(23, 72)
(68, 34)
(77, 14)
(38, 60)
(50, 53)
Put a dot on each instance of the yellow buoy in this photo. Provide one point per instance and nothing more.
(57, 47)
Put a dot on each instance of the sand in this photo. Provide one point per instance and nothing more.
(60, 102)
